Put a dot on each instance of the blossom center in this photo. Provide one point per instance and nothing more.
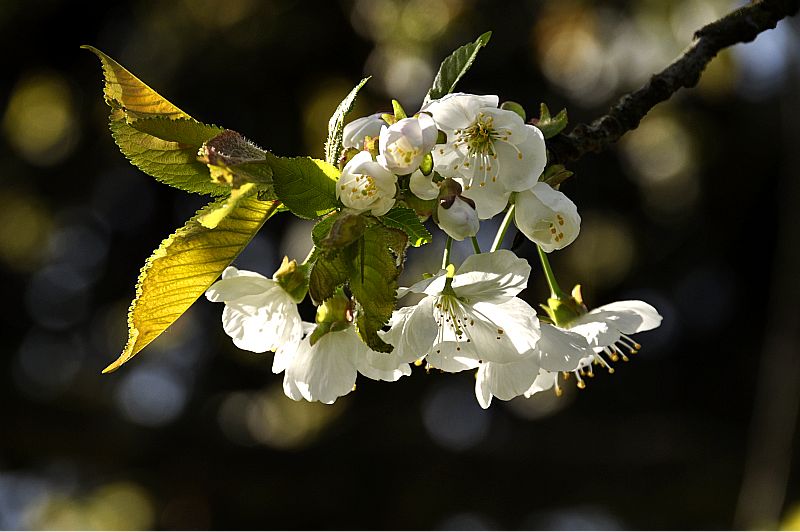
(479, 140)
(455, 322)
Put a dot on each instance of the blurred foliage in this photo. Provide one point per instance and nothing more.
(196, 434)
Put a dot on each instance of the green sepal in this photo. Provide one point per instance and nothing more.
(334, 314)
(514, 107)
(426, 166)
(555, 174)
(293, 278)
(455, 66)
(550, 126)
(399, 112)
(563, 311)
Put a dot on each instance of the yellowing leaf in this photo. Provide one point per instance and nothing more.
(124, 92)
(184, 266)
(156, 136)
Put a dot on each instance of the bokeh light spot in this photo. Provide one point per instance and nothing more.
(39, 121)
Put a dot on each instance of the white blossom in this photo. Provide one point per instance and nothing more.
(356, 131)
(469, 318)
(405, 143)
(491, 151)
(327, 370)
(259, 315)
(547, 217)
(606, 329)
(365, 185)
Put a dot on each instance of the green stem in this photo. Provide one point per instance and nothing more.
(446, 257)
(475, 245)
(555, 290)
(501, 232)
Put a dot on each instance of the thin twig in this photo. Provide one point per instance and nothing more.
(742, 25)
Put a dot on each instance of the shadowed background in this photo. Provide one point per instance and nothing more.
(693, 212)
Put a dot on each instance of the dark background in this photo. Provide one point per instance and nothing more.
(696, 212)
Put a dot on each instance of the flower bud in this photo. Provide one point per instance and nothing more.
(459, 220)
(547, 217)
(356, 131)
(405, 143)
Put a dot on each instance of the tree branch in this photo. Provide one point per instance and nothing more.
(742, 25)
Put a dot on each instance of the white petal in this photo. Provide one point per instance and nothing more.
(423, 186)
(238, 283)
(489, 199)
(561, 350)
(382, 366)
(630, 316)
(431, 286)
(520, 166)
(492, 277)
(514, 330)
(458, 110)
(596, 330)
(420, 331)
(354, 132)
(544, 381)
(505, 381)
(446, 356)
(325, 371)
(488, 341)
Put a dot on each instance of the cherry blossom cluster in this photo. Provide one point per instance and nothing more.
(471, 160)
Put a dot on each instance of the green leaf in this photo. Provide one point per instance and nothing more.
(306, 186)
(333, 146)
(330, 271)
(374, 270)
(155, 135)
(184, 266)
(550, 125)
(455, 66)
(407, 221)
(323, 228)
(213, 217)
(172, 163)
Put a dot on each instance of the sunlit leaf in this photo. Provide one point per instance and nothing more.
(184, 266)
(333, 146)
(407, 221)
(155, 135)
(172, 163)
(306, 186)
(455, 66)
